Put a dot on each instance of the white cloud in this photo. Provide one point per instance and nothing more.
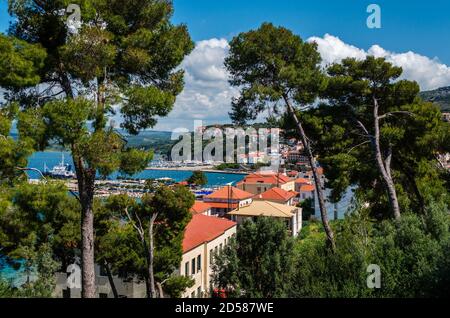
(429, 73)
(207, 94)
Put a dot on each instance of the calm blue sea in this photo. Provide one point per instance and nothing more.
(38, 159)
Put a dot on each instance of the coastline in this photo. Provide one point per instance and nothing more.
(208, 169)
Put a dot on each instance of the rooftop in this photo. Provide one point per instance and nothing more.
(276, 194)
(229, 192)
(303, 180)
(272, 178)
(200, 207)
(307, 188)
(202, 229)
(265, 208)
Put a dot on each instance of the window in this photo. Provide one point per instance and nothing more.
(193, 294)
(199, 263)
(221, 247)
(102, 295)
(211, 256)
(215, 250)
(225, 242)
(186, 269)
(199, 292)
(193, 266)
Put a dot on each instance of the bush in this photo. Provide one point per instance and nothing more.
(413, 255)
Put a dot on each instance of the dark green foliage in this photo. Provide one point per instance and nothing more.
(269, 64)
(39, 231)
(308, 208)
(412, 255)
(259, 263)
(411, 128)
(120, 245)
(20, 63)
(225, 166)
(175, 286)
(67, 81)
(198, 178)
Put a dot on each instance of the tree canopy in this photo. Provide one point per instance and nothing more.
(411, 134)
(273, 66)
(198, 178)
(124, 241)
(259, 262)
(69, 81)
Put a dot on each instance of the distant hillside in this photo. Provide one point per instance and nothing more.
(159, 141)
(440, 96)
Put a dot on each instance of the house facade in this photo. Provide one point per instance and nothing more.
(205, 236)
(258, 183)
(306, 191)
(226, 199)
(290, 214)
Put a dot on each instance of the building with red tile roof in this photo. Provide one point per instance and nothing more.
(307, 191)
(257, 183)
(204, 237)
(277, 195)
(226, 199)
(301, 181)
(292, 173)
(290, 214)
(203, 229)
(201, 207)
(229, 191)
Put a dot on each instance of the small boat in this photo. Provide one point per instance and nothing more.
(60, 171)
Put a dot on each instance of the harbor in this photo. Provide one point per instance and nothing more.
(59, 165)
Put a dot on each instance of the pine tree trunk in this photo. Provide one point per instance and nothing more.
(151, 257)
(111, 280)
(87, 243)
(86, 183)
(148, 273)
(320, 195)
(385, 166)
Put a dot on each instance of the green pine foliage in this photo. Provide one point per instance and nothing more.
(198, 178)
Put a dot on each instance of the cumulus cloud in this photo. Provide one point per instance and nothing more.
(429, 73)
(207, 95)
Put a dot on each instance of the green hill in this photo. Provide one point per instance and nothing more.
(440, 96)
(159, 141)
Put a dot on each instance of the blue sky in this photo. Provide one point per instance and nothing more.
(414, 34)
(417, 25)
